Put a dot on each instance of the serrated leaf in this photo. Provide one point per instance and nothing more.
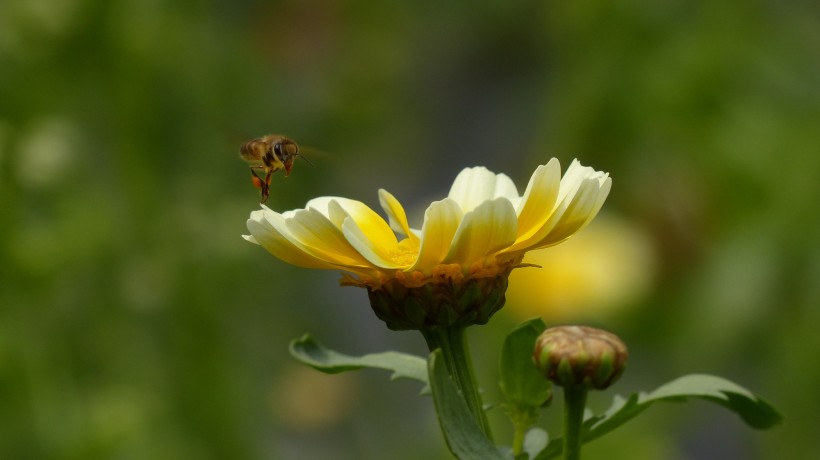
(523, 386)
(461, 431)
(309, 351)
(751, 408)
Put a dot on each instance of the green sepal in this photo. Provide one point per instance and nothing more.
(309, 351)
(755, 411)
(441, 301)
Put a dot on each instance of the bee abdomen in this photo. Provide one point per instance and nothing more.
(253, 151)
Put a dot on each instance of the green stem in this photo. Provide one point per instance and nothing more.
(518, 438)
(453, 344)
(574, 403)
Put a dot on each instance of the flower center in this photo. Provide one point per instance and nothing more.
(406, 254)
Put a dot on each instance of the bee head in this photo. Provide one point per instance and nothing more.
(287, 151)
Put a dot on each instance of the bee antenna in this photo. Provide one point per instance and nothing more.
(305, 158)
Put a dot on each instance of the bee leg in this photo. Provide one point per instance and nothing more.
(262, 184)
(257, 181)
(266, 186)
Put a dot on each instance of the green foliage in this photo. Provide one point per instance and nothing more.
(754, 410)
(461, 431)
(521, 383)
(527, 393)
(307, 350)
(136, 323)
(751, 408)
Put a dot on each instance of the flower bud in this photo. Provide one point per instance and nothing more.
(580, 356)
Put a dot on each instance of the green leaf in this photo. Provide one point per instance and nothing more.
(755, 411)
(461, 431)
(307, 350)
(523, 386)
(751, 408)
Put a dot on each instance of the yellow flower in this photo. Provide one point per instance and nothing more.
(585, 277)
(481, 230)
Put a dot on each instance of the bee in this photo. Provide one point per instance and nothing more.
(268, 154)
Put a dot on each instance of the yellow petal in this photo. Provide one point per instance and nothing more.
(441, 220)
(539, 198)
(365, 218)
(487, 229)
(579, 214)
(377, 254)
(367, 232)
(266, 235)
(315, 234)
(578, 202)
(572, 214)
(395, 213)
(605, 184)
(474, 186)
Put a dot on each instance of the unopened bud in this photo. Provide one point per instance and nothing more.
(580, 356)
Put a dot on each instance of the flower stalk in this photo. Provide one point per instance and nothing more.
(574, 403)
(521, 426)
(452, 341)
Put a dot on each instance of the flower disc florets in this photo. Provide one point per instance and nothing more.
(467, 245)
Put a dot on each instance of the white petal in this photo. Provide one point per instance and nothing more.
(487, 229)
(505, 187)
(573, 177)
(322, 204)
(474, 186)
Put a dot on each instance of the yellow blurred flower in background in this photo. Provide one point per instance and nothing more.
(607, 267)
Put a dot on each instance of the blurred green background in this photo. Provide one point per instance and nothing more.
(135, 323)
